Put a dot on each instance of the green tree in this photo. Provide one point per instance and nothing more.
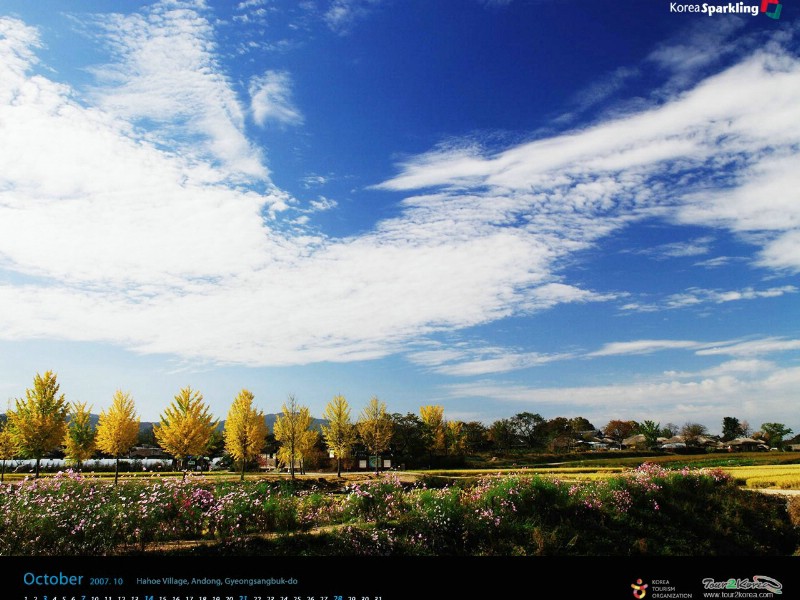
(186, 426)
(529, 429)
(651, 432)
(408, 441)
(580, 424)
(501, 433)
(39, 421)
(476, 436)
(118, 429)
(559, 433)
(340, 433)
(8, 449)
(290, 430)
(216, 443)
(774, 433)
(375, 429)
(79, 441)
(146, 437)
(245, 429)
(731, 429)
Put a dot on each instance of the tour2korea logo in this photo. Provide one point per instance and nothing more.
(773, 12)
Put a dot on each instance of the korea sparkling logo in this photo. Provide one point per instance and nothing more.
(771, 8)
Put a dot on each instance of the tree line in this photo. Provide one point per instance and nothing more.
(43, 421)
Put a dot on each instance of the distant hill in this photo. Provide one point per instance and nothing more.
(146, 426)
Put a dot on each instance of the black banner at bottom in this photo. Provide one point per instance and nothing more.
(393, 578)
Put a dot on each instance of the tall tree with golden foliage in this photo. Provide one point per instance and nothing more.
(291, 430)
(375, 429)
(186, 426)
(455, 437)
(340, 433)
(245, 429)
(118, 428)
(79, 441)
(38, 421)
(435, 428)
(8, 449)
(308, 442)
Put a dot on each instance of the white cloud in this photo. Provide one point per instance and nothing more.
(121, 230)
(766, 202)
(250, 4)
(166, 78)
(738, 347)
(742, 367)
(764, 393)
(482, 360)
(642, 347)
(695, 296)
(717, 261)
(271, 96)
(695, 49)
(312, 181)
(341, 15)
(695, 247)
(751, 347)
(138, 244)
(323, 204)
(661, 161)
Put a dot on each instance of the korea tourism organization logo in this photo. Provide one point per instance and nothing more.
(770, 8)
(639, 589)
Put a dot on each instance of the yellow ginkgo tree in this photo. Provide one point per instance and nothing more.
(118, 429)
(8, 449)
(339, 433)
(186, 426)
(245, 429)
(375, 429)
(292, 431)
(80, 438)
(39, 420)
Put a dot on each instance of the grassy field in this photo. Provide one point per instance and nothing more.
(757, 470)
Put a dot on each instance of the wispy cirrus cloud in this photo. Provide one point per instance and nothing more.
(465, 359)
(695, 296)
(271, 99)
(699, 297)
(695, 159)
(751, 347)
(642, 347)
(341, 15)
(165, 76)
(695, 247)
(768, 391)
(481, 360)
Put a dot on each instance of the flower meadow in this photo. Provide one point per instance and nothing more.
(649, 510)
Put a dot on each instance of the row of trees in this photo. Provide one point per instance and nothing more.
(43, 421)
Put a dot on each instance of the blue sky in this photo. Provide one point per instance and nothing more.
(497, 206)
